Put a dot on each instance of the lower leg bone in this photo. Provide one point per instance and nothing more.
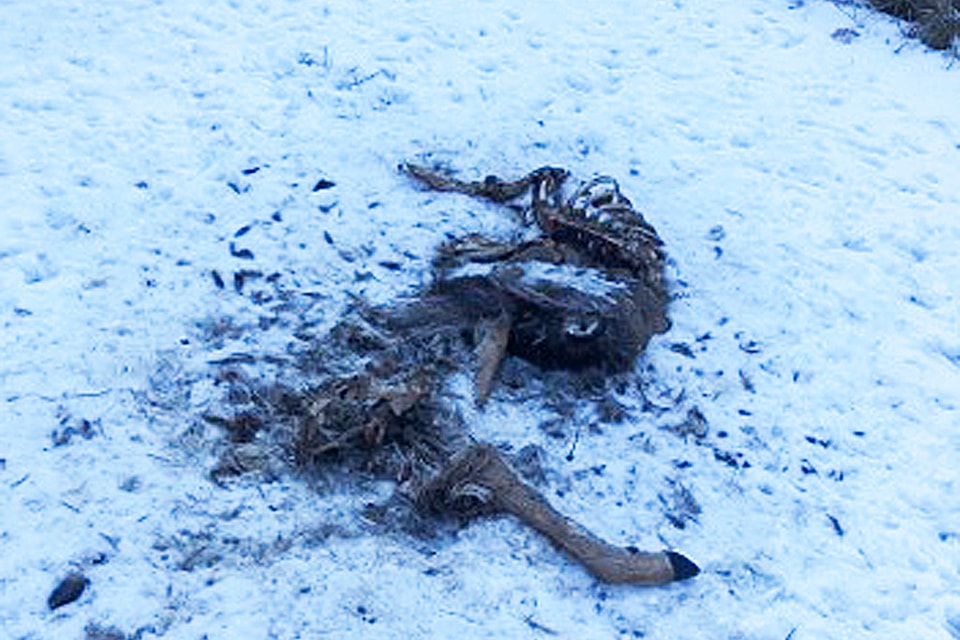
(479, 481)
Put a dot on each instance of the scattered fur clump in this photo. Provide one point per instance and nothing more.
(361, 400)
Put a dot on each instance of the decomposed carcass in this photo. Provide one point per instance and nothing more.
(583, 287)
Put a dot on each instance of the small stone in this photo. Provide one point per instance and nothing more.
(69, 590)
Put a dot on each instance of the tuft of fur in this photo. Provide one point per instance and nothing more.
(368, 402)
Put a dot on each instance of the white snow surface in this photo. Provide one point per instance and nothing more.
(807, 192)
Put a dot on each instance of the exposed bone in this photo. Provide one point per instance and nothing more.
(478, 481)
(595, 229)
(494, 335)
(491, 188)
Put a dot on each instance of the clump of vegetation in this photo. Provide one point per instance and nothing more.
(935, 22)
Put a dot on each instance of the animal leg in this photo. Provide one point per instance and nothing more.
(479, 481)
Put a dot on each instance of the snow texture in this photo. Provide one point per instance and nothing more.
(166, 167)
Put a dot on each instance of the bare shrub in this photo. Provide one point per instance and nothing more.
(935, 22)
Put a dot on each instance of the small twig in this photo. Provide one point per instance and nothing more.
(573, 447)
(536, 626)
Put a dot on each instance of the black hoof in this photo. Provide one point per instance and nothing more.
(683, 567)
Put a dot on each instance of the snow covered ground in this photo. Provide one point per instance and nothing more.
(807, 190)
